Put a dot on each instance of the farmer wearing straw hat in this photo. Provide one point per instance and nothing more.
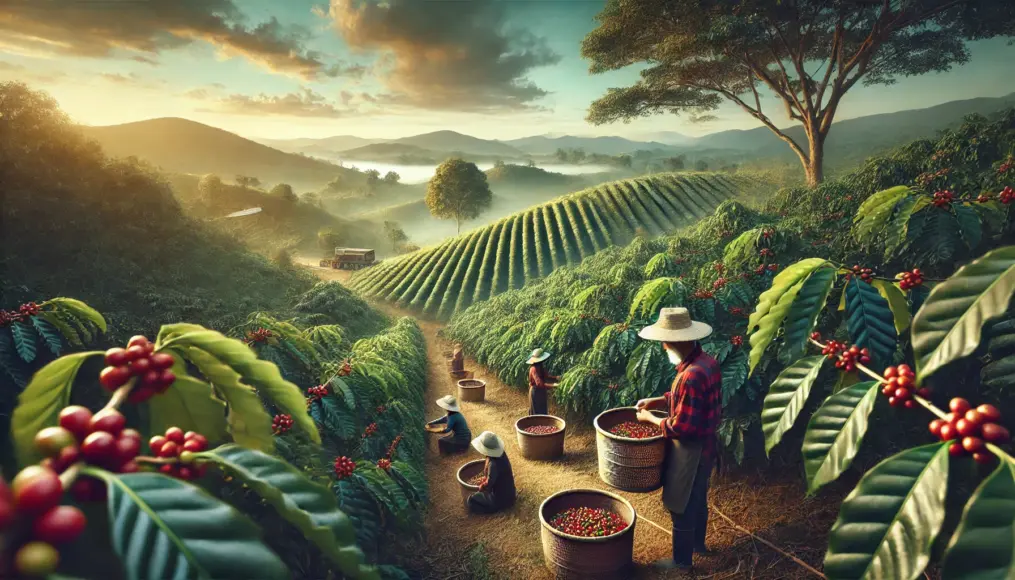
(695, 407)
(498, 488)
(458, 440)
(539, 382)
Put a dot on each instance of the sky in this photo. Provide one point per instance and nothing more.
(309, 68)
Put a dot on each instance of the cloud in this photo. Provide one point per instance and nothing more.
(149, 27)
(304, 103)
(131, 80)
(144, 60)
(446, 55)
(16, 72)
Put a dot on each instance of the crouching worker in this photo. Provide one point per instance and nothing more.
(457, 360)
(459, 435)
(498, 489)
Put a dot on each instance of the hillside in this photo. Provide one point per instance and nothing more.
(182, 146)
(307, 145)
(452, 141)
(525, 246)
(542, 145)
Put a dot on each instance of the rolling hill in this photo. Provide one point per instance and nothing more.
(452, 141)
(543, 145)
(506, 254)
(183, 146)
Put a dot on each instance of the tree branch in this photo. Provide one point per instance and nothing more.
(759, 115)
(833, 57)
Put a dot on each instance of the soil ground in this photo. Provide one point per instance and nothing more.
(773, 506)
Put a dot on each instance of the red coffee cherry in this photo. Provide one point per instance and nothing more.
(77, 420)
(36, 489)
(109, 420)
(60, 525)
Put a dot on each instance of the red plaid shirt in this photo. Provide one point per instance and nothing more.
(695, 401)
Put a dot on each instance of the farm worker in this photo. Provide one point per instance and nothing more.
(498, 489)
(695, 407)
(457, 360)
(539, 382)
(455, 424)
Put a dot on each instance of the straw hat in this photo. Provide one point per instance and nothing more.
(489, 444)
(675, 325)
(448, 403)
(537, 356)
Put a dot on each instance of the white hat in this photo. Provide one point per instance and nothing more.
(448, 403)
(675, 325)
(489, 444)
(537, 356)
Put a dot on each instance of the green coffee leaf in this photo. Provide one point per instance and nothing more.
(786, 398)
(981, 548)
(835, 433)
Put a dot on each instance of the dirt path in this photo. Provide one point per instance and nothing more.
(774, 507)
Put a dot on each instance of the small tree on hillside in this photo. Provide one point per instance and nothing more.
(675, 163)
(391, 178)
(285, 191)
(701, 165)
(806, 53)
(247, 181)
(395, 234)
(327, 240)
(373, 180)
(209, 187)
(313, 199)
(458, 190)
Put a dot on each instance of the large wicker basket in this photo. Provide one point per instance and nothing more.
(572, 557)
(626, 463)
(541, 447)
(467, 472)
(471, 390)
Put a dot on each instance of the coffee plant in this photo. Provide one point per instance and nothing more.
(888, 524)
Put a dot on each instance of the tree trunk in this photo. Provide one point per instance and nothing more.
(814, 167)
(458, 222)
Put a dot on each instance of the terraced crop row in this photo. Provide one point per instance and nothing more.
(505, 255)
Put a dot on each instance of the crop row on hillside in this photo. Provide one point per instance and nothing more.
(520, 248)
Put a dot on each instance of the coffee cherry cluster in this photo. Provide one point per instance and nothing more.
(737, 340)
(703, 294)
(259, 335)
(943, 198)
(817, 336)
(1007, 195)
(719, 283)
(911, 279)
(760, 270)
(172, 445)
(281, 424)
(478, 480)
(851, 356)
(101, 439)
(394, 446)
(865, 274)
(718, 266)
(900, 387)
(381, 409)
(138, 360)
(315, 394)
(542, 429)
(983, 198)
(344, 467)
(926, 179)
(832, 348)
(33, 521)
(23, 313)
(767, 233)
(773, 267)
(588, 522)
(1006, 165)
(635, 430)
(370, 430)
(345, 370)
(766, 253)
(384, 463)
(970, 430)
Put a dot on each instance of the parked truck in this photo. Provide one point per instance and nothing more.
(350, 259)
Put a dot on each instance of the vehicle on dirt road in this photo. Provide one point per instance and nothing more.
(350, 259)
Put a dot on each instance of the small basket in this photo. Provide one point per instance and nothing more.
(541, 447)
(626, 463)
(471, 390)
(467, 472)
(572, 557)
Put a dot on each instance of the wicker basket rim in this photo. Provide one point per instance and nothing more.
(556, 532)
(480, 385)
(563, 427)
(606, 433)
(458, 474)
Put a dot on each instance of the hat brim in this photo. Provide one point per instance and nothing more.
(484, 450)
(447, 407)
(537, 359)
(697, 331)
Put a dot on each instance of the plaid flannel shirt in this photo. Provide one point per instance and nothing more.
(695, 401)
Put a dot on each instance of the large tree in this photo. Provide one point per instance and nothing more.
(459, 191)
(807, 53)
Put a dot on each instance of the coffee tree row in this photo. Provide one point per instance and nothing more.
(201, 394)
(890, 521)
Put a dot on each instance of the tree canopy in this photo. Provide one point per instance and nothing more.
(285, 191)
(459, 191)
(806, 53)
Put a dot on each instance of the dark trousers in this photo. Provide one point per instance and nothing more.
(446, 446)
(689, 527)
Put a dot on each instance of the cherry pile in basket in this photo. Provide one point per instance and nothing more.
(541, 429)
(635, 430)
(588, 522)
(476, 479)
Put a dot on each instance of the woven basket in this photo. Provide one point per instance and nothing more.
(467, 472)
(571, 557)
(626, 463)
(471, 390)
(541, 447)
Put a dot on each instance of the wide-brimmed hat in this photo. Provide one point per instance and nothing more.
(675, 325)
(537, 356)
(489, 444)
(448, 403)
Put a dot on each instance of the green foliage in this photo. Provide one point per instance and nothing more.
(458, 190)
(835, 432)
(982, 546)
(870, 321)
(774, 305)
(786, 398)
(340, 306)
